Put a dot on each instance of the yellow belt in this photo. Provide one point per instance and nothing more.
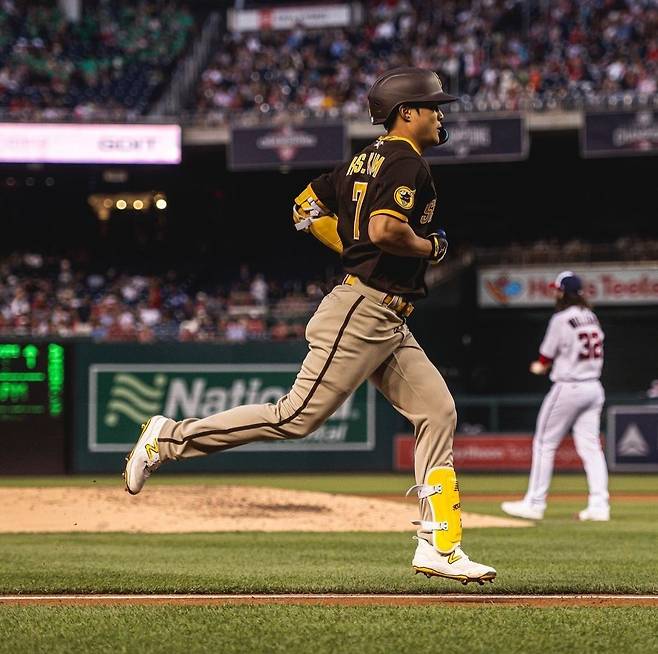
(394, 302)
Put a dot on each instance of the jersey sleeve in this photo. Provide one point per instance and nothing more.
(395, 190)
(551, 344)
(324, 188)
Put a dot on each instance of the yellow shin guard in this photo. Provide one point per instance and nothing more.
(441, 490)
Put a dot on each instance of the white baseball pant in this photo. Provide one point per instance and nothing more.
(574, 406)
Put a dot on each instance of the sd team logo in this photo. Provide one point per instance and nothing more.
(503, 289)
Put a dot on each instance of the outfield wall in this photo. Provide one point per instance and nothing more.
(78, 407)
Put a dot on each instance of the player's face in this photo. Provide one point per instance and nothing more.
(426, 123)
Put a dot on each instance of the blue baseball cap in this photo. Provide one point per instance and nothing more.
(568, 282)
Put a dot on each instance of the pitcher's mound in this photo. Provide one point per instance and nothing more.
(168, 509)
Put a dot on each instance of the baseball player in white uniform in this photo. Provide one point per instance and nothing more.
(572, 350)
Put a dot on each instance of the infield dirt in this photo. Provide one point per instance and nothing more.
(171, 509)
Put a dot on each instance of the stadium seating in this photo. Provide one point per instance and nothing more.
(49, 296)
(495, 55)
(523, 54)
(110, 64)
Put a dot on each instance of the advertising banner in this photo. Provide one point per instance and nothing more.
(619, 134)
(119, 385)
(490, 452)
(482, 137)
(89, 144)
(604, 284)
(273, 147)
(632, 443)
(289, 18)
(123, 396)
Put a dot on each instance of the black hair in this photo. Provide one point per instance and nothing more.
(389, 123)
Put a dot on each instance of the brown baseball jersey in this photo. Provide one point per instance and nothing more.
(388, 177)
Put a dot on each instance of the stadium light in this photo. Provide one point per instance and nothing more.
(104, 203)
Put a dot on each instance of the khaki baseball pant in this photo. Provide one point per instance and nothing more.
(352, 337)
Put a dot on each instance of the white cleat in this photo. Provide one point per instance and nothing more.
(145, 456)
(522, 509)
(456, 565)
(595, 515)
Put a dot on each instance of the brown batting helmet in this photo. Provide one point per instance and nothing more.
(404, 85)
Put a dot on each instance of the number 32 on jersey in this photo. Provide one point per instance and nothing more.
(591, 346)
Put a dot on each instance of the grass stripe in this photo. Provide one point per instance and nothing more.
(327, 630)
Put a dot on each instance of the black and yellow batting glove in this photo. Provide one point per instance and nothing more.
(439, 246)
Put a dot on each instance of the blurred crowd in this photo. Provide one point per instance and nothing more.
(110, 64)
(52, 297)
(41, 296)
(625, 248)
(494, 54)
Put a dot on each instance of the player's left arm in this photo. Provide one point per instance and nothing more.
(393, 212)
(396, 237)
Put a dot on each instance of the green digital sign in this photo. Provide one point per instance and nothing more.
(31, 380)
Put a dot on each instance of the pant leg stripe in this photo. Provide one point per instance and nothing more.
(277, 425)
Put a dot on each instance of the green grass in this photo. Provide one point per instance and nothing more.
(353, 483)
(328, 630)
(558, 555)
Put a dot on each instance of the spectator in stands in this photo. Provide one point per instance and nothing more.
(40, 296)
(110, 64)
(44, 296)
(495, 55)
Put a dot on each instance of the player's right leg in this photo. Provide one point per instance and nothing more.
(587, 438)
(554, 420)
(349, 336)
(413, 385)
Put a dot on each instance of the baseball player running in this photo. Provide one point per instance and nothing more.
(378, 211)
(573, 350)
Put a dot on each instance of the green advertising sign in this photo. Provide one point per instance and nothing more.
(122, 396)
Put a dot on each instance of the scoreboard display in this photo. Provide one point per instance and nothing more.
(32, 400)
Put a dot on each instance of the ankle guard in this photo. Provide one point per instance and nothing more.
(441, 490)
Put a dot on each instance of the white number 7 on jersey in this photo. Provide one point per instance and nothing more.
(358, 193)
